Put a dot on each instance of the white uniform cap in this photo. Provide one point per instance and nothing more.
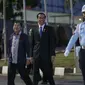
(83, 8)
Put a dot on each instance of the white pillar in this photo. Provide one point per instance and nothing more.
(72, 23)
(45, 8)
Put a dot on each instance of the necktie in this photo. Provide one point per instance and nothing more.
(40, 31)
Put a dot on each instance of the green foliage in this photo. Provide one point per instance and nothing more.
(67, 3)
(1, 6)
(29, 3)
(8, 7)
(32, 3)
(60, 61)
(19, 5)
(9, 11)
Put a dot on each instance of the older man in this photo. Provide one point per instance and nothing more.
(18, 48)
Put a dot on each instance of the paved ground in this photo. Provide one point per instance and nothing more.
(67, 80)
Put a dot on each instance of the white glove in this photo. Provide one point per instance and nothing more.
(66, 53)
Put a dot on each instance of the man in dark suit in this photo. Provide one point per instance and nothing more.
(42, 48)
(18, 48)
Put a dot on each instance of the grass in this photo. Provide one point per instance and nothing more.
(3, 63)
(60, 61)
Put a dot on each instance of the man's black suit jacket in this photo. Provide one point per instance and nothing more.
(23, 48)
(42, 46)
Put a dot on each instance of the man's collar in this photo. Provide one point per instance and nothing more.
(19, 33)
(41, 26)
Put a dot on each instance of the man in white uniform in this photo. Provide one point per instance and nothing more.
(79, 33)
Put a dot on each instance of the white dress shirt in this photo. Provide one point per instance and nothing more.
(41, 26)
(14, 48)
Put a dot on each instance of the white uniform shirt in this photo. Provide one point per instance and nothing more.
(79, 33)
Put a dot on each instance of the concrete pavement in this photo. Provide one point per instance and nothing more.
(65, 80)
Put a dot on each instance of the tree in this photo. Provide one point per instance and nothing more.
(17, 5)
(8, 7)
(32, 3)
(67, 3)
(1, 6)
(29, 3)
(9, 10)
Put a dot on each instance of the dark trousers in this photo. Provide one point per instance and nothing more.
(44, 77)
(22, 71)
(82, 62)
(45, 66)
(29, 68)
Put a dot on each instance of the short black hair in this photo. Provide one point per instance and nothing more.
(41, 14)
(18, 22)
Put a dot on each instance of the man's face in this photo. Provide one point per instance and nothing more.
(41, 19)
(83, 16)
(16, 28)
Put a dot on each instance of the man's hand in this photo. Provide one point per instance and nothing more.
(66, 53)
(31, 59)
(28, 61)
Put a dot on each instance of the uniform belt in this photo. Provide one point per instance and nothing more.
(83, 47)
